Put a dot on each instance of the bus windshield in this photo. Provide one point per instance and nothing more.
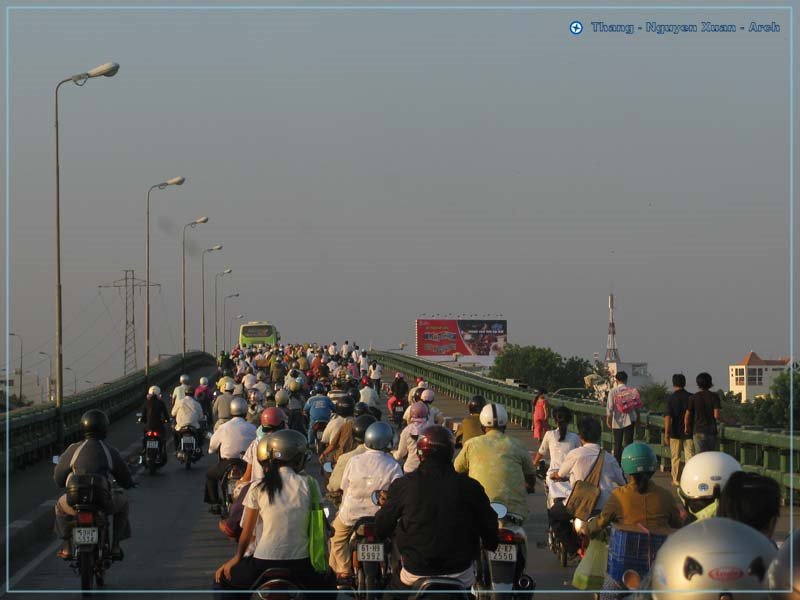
(257, 331)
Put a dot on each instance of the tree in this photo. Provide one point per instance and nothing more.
(540, 367)
(654, 396)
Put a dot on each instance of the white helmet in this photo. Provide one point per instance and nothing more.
(493, 415)
(230, 385)
(782, 574)
(423, 385)
(204, 381)
(712, 556)
(154, 391)
(184, 379)
(706, 471)
(248, 381)
(427, 396)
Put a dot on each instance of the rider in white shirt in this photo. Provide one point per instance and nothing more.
(555, 446)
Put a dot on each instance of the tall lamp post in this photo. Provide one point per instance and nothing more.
(227, 271)
(233, 319)
(105, 70)
(16, 335)
(193, 224)
(160, 186)
(49, 376)
(203, 285)
(224, 303)
(74, 380)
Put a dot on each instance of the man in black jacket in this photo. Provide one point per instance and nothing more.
(93, 456)
(438, 519)
(155, 417)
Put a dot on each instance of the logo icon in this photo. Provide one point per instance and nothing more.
(576, 28)
(725, 573)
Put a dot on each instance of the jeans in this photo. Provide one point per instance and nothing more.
(622, 438)
(675, 454)
(704, 442)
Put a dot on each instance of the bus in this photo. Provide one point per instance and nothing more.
(258, 332)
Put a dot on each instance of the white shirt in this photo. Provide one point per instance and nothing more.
(363, 363)
(257, 472)
(332, 350)
(556, 451)
(248, 381)
(179, 392)
(369, 397)
(261, 387)
(187, 412)
(232, 438)
(375, 372)
(332, 428)
(332, 366)
(578, 463)
(407, 447)
(345, 350)
(618, 419)
(356, 356)
(285, 522)
(365, 473)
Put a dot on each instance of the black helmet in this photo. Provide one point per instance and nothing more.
(354, 394)
(476, 404)
(435, 443)
(538, 392)
(285, 446)
(345, 407)
(94, 424)
(360, 425)
(361, 408)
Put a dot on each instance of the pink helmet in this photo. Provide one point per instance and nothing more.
(418, 410)
(398, 375)
(427, 396)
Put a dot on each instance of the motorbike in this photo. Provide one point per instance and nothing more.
(371, 565)
(319, 428)
(502, 571)
(154, 454)
(276, 584)
(90, 497)
(228, 484)
(189, 451)
(435, 588)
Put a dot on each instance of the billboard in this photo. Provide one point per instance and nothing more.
(469, 337)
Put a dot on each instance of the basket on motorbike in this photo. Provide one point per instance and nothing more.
(89, 489)
(632, 550)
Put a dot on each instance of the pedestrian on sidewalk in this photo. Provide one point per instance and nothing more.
(621, 412)
(702, 414)
(675, 435)
(539, 414)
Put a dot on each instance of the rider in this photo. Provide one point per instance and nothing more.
(341, 441)
(499, 463)
(203, 395)
(255, 404)
(318, 409)
(360, 425)
(295, 406)
(471, 425)
(188, 413)
(261, 383)
(180, 390)
(282, 503)
(96, 457)
(439, 519)
(407, 444)
(703, 478)
(374, 469)
(231, 440)
(555, 446)
(368, 395)
(222, 405)
(155, 416)
(399, 386)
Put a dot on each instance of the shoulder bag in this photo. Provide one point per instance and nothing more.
(584, 495)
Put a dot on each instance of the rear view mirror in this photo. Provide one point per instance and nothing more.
(375, 499)
(56, 458)
(327, 467)
(327, 512)
(500, 509)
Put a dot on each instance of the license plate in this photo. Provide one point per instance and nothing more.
(85, 535)
(370, 552)
(399, 410)
(504, 553)
(152, 444)
(188, 441)
(319, 434)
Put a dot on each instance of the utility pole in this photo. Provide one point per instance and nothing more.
(129, 283)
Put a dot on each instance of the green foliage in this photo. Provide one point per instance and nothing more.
(654, 396)
(772, 411)
(540, 367)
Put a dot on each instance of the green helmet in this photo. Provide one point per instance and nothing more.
(638, 458)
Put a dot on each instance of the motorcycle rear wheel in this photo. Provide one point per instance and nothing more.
(86, 569)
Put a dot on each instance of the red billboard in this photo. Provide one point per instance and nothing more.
(468, 337)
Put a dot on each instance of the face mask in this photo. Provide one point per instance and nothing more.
(260, 433)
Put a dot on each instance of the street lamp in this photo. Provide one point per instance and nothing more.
(74, 380)
(224, 303)
(16, 335)
(192, 224)
(203, 285)
(161, 186)
(227, 271)
(105, 70)
(49, 376)
(236, 318)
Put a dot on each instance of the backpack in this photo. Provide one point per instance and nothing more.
(627, 400)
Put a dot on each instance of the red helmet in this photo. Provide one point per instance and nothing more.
(435, 442)
(273, 418)
(419, 379)
(365, 381)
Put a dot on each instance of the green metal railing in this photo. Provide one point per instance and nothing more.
(33, 430)
(757, 449)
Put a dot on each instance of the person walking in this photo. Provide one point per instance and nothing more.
(676, 436)
(621, 412)
(702, 414)
(539, 414)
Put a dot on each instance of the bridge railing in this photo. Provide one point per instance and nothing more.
(32, 430)
(765, 451)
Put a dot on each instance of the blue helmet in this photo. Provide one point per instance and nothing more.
(319, 388)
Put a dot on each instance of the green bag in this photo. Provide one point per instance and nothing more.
(317, 541)
(591, 571)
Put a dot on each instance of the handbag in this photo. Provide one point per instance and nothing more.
(584, 495)
(627, 400)
(317, 540)
(591, 572)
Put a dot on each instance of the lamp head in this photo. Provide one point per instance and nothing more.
(240, 316)
(228, 271)
(176, 180)
(201, 220)
(217, 247)
(108, 69)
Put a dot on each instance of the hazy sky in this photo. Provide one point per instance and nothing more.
(363, 167)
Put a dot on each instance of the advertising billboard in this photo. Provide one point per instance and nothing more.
(440, 338)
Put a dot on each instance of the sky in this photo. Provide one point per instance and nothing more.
(363, 167)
